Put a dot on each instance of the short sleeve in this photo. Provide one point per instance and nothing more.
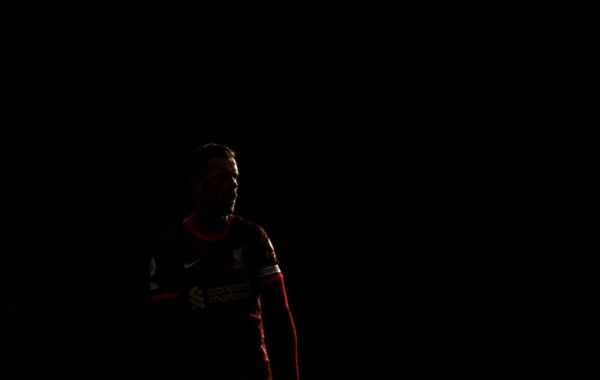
(164, 274)
(268, 263)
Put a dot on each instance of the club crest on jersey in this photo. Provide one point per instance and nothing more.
(237, 257)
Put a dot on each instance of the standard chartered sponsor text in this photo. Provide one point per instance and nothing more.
(230, 292)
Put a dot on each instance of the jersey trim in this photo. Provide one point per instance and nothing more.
(205, 237)
(165, 295)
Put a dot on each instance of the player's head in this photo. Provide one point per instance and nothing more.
(214, 175)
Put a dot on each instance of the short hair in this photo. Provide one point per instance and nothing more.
(205, 152)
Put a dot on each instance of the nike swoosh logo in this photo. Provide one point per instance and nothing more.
(190, 264)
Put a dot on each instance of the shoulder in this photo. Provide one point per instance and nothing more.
(249, 230)
(172, 233)
(169, 238)
(244, 224)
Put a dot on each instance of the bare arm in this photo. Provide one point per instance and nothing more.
(280, 331)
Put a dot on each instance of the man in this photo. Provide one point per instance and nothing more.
(218, 298)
